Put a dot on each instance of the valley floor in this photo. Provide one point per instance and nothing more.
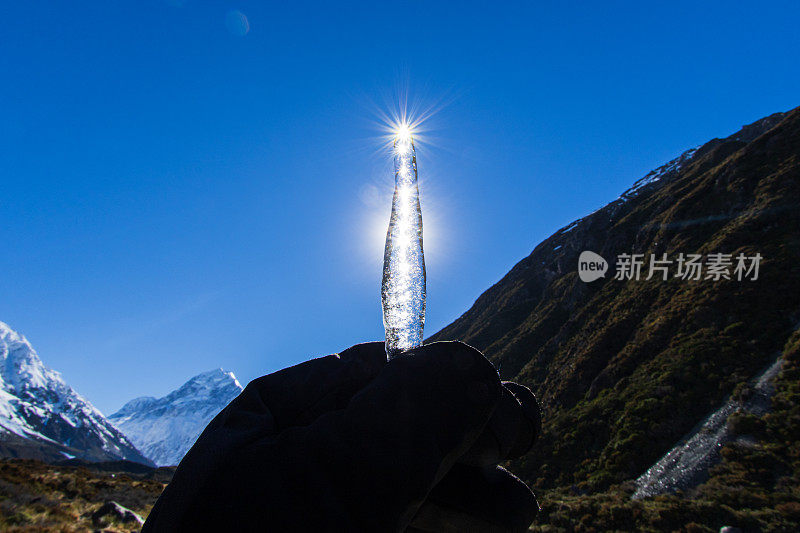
(35, 496)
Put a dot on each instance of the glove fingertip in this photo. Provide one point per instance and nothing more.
(532, 417)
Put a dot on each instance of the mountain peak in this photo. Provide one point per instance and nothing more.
(38, 410)
(7, 333)
(216, 377)
(165, 428)
(21, 367)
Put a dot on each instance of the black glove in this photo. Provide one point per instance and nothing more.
(351, 442)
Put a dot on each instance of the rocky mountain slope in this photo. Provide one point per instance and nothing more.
(42, 417)
(165, 428)
(623, 367)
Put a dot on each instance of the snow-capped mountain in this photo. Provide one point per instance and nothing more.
(165, 428)
(43, 417)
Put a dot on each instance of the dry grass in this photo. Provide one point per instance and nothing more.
(35, 496)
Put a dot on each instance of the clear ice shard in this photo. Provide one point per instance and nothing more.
(403, 287)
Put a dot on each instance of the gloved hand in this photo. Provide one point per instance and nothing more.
(350, 442)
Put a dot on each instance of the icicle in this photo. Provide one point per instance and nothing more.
(403, 287)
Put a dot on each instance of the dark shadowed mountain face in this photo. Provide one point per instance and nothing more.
(625, 368)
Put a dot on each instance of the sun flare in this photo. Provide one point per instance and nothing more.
(403, 133)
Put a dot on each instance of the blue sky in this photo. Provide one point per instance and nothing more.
(177, 194)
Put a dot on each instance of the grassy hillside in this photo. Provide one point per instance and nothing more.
(755, 487)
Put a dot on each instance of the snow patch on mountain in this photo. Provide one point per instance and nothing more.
(656, 175)
(36, 404)
(165, 428)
